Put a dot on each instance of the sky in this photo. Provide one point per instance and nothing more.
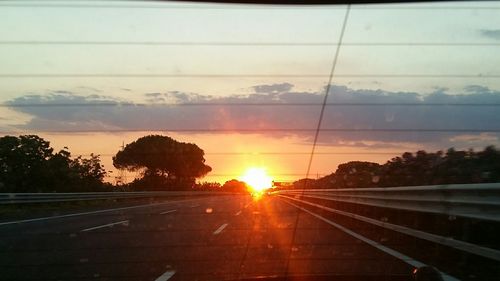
(246, 83)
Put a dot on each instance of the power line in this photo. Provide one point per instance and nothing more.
(237, 175)
(221, 43)
(274, 104)
(278, 153)
(228, 75)
(198, 6)
(266, 130)
(274, 174)
(226, 6)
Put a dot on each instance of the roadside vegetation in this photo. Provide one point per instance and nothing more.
(29, 164)
(413, 169)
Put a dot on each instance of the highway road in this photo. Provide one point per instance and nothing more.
(210, 238)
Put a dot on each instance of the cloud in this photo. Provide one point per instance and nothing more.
(478, 89)
(278, 106)
(481, 138)
(274, 88)
(175, 97)
(491, 33)
(439, 111)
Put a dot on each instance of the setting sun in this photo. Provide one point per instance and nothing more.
(257, 179)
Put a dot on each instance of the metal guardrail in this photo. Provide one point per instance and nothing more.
(22, 198)
(478, 201)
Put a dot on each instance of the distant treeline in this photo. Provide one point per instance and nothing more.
(233, 185)
(413, 169)
(29, 164)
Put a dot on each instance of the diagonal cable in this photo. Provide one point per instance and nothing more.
(318, 128)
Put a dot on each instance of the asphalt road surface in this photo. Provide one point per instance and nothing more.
(211, 238)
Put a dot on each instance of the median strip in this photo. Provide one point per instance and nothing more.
(125, 222)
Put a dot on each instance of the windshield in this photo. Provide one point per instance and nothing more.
(205, 141)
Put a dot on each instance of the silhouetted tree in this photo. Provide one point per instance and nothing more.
(28, 164)
(90, 171)
(23, 161)
(411, 169)
(208, 186)
(305, 183)
(235, 186)
(356, 174)
(164, 162)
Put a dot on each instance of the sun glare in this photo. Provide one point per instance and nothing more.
(257, 179)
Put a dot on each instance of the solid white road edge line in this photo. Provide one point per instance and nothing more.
(377, 245)
(220, 229)
(105, 225)
(165, 276)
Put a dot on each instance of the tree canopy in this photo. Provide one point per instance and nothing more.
(235, 186)
(28, 164)
(164, 159)
(412, 169)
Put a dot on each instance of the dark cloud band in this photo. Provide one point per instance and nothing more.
(353, 117)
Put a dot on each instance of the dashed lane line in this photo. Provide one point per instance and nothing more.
(96, 212)
(125, 222)
(165, 276)
(220, 229)
(168, 212)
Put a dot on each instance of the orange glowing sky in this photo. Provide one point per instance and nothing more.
(150, 61)
(230, 155)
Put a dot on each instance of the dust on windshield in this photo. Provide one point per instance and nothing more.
(204, 141)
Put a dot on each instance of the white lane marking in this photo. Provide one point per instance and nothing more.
(238, 213)
(165, 276)
(194, 206)
(105, 225)
(457, 244)
(167, 212)
(246, 206)
(96, 212)
(387, 250)
(220, 229)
